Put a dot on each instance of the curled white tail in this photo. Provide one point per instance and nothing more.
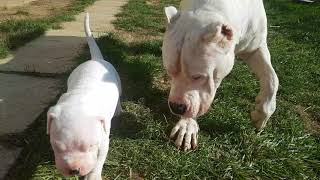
(94, 49)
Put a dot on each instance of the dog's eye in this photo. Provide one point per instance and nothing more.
(197, 77)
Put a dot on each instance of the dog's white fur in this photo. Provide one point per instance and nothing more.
(79, 124)
(199, 48)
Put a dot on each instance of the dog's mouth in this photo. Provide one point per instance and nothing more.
(203, 109)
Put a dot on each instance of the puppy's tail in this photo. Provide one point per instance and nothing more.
(94, 49)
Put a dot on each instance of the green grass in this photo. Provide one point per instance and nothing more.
(228, 147)
(18, 32)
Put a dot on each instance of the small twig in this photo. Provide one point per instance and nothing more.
(306, 109)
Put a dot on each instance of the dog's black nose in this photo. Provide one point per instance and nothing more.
(178, 108)
(74, 172)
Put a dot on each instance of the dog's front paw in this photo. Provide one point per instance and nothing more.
(185, 131)
(258, 119)
(262, 112)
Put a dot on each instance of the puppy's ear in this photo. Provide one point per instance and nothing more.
(171, 13)
(52, 114)
(219, 33)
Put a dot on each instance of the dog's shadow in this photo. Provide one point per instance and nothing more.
(214, 127)
(126, 125)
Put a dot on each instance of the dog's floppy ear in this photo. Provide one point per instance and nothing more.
(52, 114)
(220, 33)
(171, 13)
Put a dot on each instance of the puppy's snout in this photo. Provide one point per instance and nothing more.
(176, 108)
(74, 171)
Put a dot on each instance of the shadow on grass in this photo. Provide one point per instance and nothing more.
(219, 128)
(126, 125)
(36, 149)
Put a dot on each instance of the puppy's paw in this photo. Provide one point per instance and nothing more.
(185, 134)
(93, 176)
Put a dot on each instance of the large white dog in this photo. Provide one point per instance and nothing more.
(199, 49)
(79, 124)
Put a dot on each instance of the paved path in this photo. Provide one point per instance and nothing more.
(14, 3)
(24, 93)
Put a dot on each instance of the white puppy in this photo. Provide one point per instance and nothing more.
(79, 124)
(199, 49)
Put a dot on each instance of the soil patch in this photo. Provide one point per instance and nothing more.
(34, 10)
(312, 125)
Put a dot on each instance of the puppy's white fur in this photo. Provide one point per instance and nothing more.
(199, 48)
(79, 124)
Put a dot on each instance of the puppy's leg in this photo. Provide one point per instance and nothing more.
(260, 63)
(95, 174)
(186, 130)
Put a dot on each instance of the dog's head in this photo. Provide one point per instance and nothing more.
(198, 52)
(75, 140)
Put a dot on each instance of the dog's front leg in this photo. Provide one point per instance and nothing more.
(186, 130)
(95, 174)
(260, 63)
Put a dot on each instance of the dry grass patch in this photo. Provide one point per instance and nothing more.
(34, 10)
(311, 125)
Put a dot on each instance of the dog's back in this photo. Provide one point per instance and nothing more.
(95, 72)
(95, 82)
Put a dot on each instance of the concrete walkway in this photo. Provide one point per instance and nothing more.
(24, 93)
(14, 3)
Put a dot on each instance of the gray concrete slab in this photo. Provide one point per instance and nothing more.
(47, 54)
(23, 99)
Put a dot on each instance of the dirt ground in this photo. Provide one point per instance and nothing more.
(34, 10)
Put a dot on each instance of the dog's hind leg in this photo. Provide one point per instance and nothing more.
(260, 63)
